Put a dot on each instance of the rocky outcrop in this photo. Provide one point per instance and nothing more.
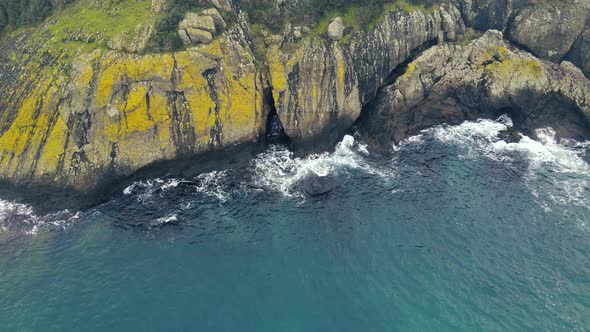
(551, 30)
(488, 77)
(73, 115)
(580, 52)
(200, 29)
(548, 31)
(107, 114)
(319, 88)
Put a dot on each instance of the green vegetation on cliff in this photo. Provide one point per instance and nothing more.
(15, 13)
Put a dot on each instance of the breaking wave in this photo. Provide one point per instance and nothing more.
(21, 218)
(278, 170)
(558, 171)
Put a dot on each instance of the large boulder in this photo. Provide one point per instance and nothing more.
(548, 31)
(453, 83)
(201, 28)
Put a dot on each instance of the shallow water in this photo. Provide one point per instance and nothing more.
(458, 231)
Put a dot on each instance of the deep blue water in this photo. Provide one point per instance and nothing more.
(458, 231)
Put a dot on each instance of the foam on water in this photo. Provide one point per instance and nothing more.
(557, 172)
(214, 185)
(22, 218)
(278, 170)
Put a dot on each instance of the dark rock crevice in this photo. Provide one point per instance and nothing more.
(275, 132)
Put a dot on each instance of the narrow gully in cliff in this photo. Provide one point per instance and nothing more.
(275, 132)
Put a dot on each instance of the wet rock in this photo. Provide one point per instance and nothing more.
(316, 186)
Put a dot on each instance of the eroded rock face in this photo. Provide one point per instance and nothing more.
(452, 83)
(548, 31)
(580, 52)
(111, 113)
(320, 87)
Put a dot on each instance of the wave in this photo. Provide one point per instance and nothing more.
(557, 171)
(17, 217)
(279, 171)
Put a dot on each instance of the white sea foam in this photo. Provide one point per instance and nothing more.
(145, 189)
(164, 220)
(213, 184)
(279, 171)
(566, 175)
(22, 218)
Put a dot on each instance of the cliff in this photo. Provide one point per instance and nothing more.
(97, 92)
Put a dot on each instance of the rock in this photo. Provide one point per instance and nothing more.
(452, 83)
(580, 52)
(217, 19)
(297, 33)
(114, 113)
(486, 14)
(195, 21)
(336, 29)
(159, 6)
(186, 40)
(320, 87)
(548, 31)
(199, 36)
(224, 5)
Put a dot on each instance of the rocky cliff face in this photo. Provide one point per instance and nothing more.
(320, 87)
(453, 83)
(75, 116)
(109, 113)
(552, 30)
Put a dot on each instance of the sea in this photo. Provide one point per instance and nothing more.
(458, 229)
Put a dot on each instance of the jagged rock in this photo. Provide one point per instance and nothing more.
(112, 113)
(223, 5)
(548, 31)
(580, 52)
(452, 83)
(336, 29)
(486, 14)
(320, 88)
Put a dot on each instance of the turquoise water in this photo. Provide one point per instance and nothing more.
(458, 231)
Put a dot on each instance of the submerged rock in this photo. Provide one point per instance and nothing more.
(453, 83)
